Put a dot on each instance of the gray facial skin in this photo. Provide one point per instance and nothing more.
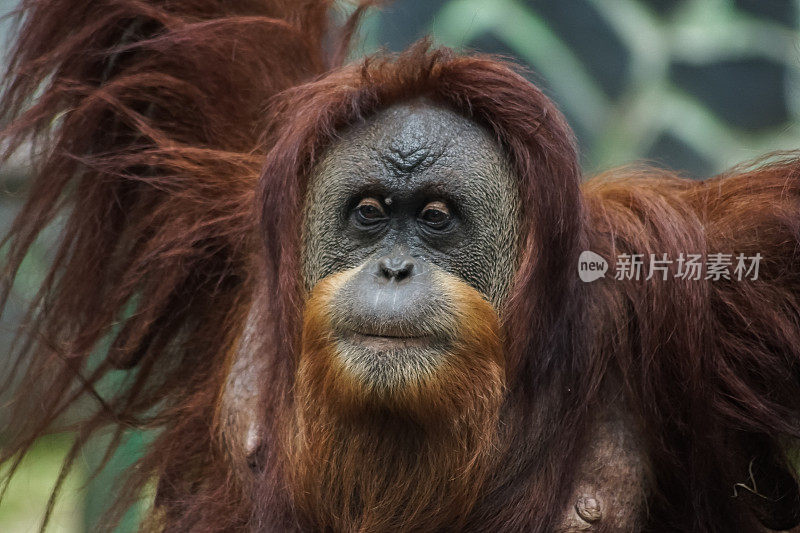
(415, 153)
(410, 196)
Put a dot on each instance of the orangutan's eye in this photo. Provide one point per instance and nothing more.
(436, 215)
(369, 211)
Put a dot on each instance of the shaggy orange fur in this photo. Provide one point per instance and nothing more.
(177, 138)
(413, 458)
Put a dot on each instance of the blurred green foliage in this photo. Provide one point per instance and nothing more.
(27, 495)
(698, 85)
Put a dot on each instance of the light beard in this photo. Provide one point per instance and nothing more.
(413, 456)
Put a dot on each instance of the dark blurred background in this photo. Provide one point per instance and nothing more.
(693, 85)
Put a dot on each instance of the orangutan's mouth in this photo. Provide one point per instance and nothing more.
(384, 342)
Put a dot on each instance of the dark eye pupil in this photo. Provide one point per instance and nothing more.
(369, 211)
(434, 215)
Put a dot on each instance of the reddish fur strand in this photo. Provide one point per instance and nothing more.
(415, 461)
(161, 132)
(154, 157)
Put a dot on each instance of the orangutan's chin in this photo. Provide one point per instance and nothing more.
(378, 417)
(453, 357)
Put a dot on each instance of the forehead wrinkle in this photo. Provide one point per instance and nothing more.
(412, 144)
(404, 161)
(413, 149)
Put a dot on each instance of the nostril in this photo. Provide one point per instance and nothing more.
(404, 270)
(396, 267)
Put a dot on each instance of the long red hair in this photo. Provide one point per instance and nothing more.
(174, 143)
(543, 314)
